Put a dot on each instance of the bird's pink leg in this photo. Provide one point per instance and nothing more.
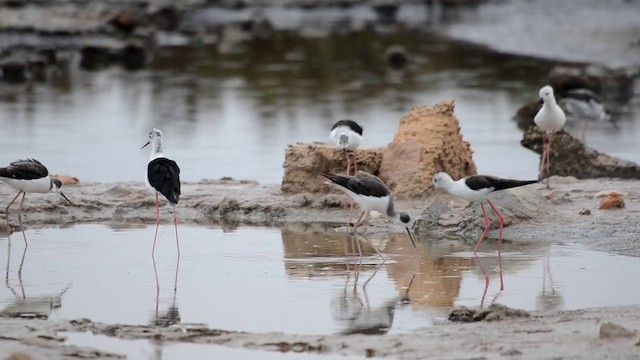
(175, 224)
(20, 219)
(543, 157)
(486, 228)
(6, 211)
(153, 250)
(583, 130)
(501, 228)
(355, 163)
(548, 159)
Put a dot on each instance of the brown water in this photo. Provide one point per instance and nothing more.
(231, 110)
(298, 281)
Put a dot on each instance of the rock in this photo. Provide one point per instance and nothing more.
(133, 56)
(525, 114)
(18, 355)
(613, 201)
(570, 157)
(20, 65)
(492, 313)
(304, 162)
(515, 205)
(610, 330)
(166, 18)
(584, 212)
(386, 12)
(126, 21)
(67, 179)
(396, 57)
(429, 218)
(428, 141)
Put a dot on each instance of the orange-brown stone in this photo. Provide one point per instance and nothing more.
(612, 201)
(303, 164)
(428, 141)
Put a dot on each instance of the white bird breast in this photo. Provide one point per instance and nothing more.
(41, 185)
(354, 138)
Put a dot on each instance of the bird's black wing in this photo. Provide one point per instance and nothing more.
(349, 123)
(479, 182)
(24, 169)
(164, 176)
(362, 184)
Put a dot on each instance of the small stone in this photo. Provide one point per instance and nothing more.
(67, 179)
(612, 201)
(512, 352)
(610, 330)
(585, 212)
(18, 355)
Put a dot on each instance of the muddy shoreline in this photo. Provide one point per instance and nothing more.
(235, 203)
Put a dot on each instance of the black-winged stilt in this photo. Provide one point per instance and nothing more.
(478, 188)
(346, 135)
(549, 119)
(371, 194)
(163, 176)
(584, 105)
(28, 176)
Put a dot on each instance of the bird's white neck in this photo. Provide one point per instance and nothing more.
(156, 148)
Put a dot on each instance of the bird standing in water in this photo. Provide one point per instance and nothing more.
(346, 135)
(28, 176)
(478, 188)
(163, 176)
(370, 193)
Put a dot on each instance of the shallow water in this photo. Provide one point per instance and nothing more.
(291, 280)
(232, 111)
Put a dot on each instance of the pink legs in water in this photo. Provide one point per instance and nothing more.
(6, 211)
(175, 224)
(486, 229)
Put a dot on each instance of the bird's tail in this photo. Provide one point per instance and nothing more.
(509, 183)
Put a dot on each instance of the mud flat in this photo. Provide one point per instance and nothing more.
(585, 334)
(544, 334)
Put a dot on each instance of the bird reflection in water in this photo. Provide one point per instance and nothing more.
(172, 315)
(486, 281)
(549, 298)
(38, 307)
(355, 312)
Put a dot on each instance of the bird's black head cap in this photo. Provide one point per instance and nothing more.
(405, 218)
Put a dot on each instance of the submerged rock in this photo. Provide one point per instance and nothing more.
(304, 162)
(439, 220)
(570, 157)
(428, 141)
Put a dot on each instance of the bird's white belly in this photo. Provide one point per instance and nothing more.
(369, 203)
(41, 185)
(550, 119)
(471, 195)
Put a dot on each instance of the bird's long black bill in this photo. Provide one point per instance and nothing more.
(143, 146)
(66, 198)
(411, 237)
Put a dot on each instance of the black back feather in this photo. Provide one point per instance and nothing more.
(478, 182)
(349, 123)
(362, 184)
(24, 169)
(164, 176)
